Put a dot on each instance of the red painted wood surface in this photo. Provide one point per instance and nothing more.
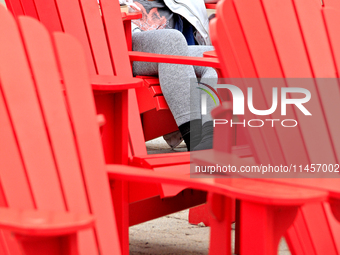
(272, 221)
(150, 57)
(47, 167)
(254, 36)
(87, 137)
(210, 6)
(156, 120)
(43, 223)
(241, 188)
(15, 7)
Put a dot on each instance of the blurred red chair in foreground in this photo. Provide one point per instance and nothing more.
(266, 44)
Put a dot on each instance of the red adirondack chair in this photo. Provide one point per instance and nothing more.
(62, 156)
(276, 39)
(83, 20)
(51, 181)
(156, 117)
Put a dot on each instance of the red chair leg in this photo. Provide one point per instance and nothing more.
(8, 244)
(120, 197)
(311, 236)
(237, 226)
(262, 226)
(199, 214)
(113, 106)
(220, 223)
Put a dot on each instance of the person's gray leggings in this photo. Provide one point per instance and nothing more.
(178, 82)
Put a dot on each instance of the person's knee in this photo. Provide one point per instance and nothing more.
(175, 42)
(165, 41)
(176, 37)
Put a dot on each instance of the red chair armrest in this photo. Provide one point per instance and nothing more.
(114, 83)
(210, 54)
(210, 6)
(256, 191)
(173, 59)
(131, 15)
(43, 223)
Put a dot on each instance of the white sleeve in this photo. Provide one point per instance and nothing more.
(135, 28)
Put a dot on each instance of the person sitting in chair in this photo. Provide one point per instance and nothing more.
(178, 28)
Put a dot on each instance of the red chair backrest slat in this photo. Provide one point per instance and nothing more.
(96, 29)
(42, 132)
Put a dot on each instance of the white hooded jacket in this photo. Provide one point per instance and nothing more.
(195, 12)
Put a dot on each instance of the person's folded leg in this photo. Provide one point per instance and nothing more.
(209, 77)
(174, 78)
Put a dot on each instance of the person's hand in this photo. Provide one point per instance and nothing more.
(130, 3)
